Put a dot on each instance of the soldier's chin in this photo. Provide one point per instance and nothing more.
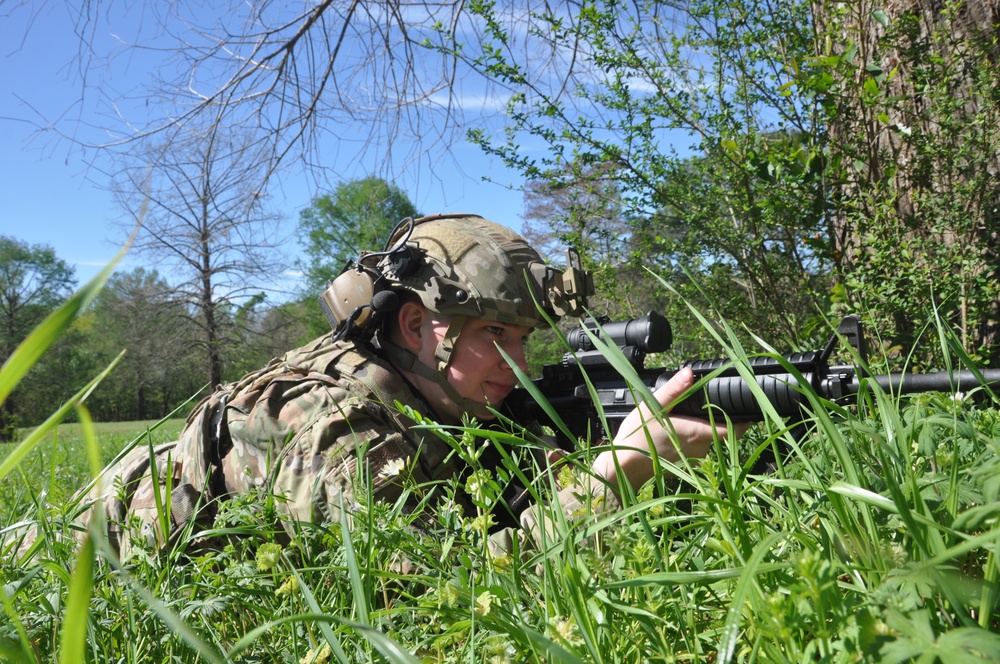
(482, 411)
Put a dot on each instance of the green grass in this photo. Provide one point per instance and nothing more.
(877, 539)
(58, 466)
(877, 542)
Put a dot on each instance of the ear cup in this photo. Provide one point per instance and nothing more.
(348, 297)
(356, 301)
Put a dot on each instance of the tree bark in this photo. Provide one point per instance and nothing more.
(921, 156)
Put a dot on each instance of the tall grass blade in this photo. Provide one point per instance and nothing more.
(331, 638)
(864, 496)
(176, 623)
(731, 628)
(357, 585)
(705, 577)
(13, 656)
(528, 384)
(89, 440)
(987, 602)
(38, 435)
(390, 649)
(144, 436)
(73, 640)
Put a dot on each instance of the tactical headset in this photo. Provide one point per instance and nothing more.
(357, 299)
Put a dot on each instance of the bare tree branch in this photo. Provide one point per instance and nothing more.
(208, 223)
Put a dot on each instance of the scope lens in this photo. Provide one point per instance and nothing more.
(650, 334)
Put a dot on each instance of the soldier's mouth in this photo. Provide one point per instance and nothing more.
(497, 392)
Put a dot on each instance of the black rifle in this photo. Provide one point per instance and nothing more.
(784, 382)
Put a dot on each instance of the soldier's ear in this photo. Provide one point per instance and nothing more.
(413, 319)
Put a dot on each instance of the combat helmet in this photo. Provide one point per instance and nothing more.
(458, 265)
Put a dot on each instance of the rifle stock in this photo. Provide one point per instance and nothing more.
(784, 383)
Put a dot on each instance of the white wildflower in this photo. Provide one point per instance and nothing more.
(320, 655)
(483, 603)
(393, 467)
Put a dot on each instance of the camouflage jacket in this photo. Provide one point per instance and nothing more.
(304, 427)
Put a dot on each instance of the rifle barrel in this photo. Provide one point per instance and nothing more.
(940, 381)
(734, 396)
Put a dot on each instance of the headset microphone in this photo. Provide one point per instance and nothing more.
(384, 302)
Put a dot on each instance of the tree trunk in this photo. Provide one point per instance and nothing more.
(916, 125)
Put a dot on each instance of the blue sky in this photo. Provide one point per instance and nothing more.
(50, 194)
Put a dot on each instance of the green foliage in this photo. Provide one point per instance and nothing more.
(138, 311)
(274, 331)
(875, 539)
(715, 157)
(544, 347)
(777, 162)
(33, 282)
(913, 111)
(356, 217)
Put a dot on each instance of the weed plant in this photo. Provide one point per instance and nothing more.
(875, 538)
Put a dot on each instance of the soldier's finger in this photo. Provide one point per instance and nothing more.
(675, 387)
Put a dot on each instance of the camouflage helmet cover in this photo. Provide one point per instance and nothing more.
(468, 266)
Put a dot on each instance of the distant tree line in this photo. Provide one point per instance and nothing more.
(161, 328)
(138, 312)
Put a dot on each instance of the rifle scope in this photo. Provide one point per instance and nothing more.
(649, 334)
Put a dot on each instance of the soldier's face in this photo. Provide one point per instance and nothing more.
(478, 371)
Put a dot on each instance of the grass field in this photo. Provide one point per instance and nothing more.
(877, 539)
(58, 466)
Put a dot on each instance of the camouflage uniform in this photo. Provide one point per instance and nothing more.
(299, 426)
(295, 428)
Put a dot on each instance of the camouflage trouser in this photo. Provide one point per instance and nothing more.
(145, 500)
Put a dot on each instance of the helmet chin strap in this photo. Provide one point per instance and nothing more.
(446, 347)
(407, 360)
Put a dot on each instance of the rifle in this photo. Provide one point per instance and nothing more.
(784, 381)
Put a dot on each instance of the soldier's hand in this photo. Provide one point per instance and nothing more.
(642, 434)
